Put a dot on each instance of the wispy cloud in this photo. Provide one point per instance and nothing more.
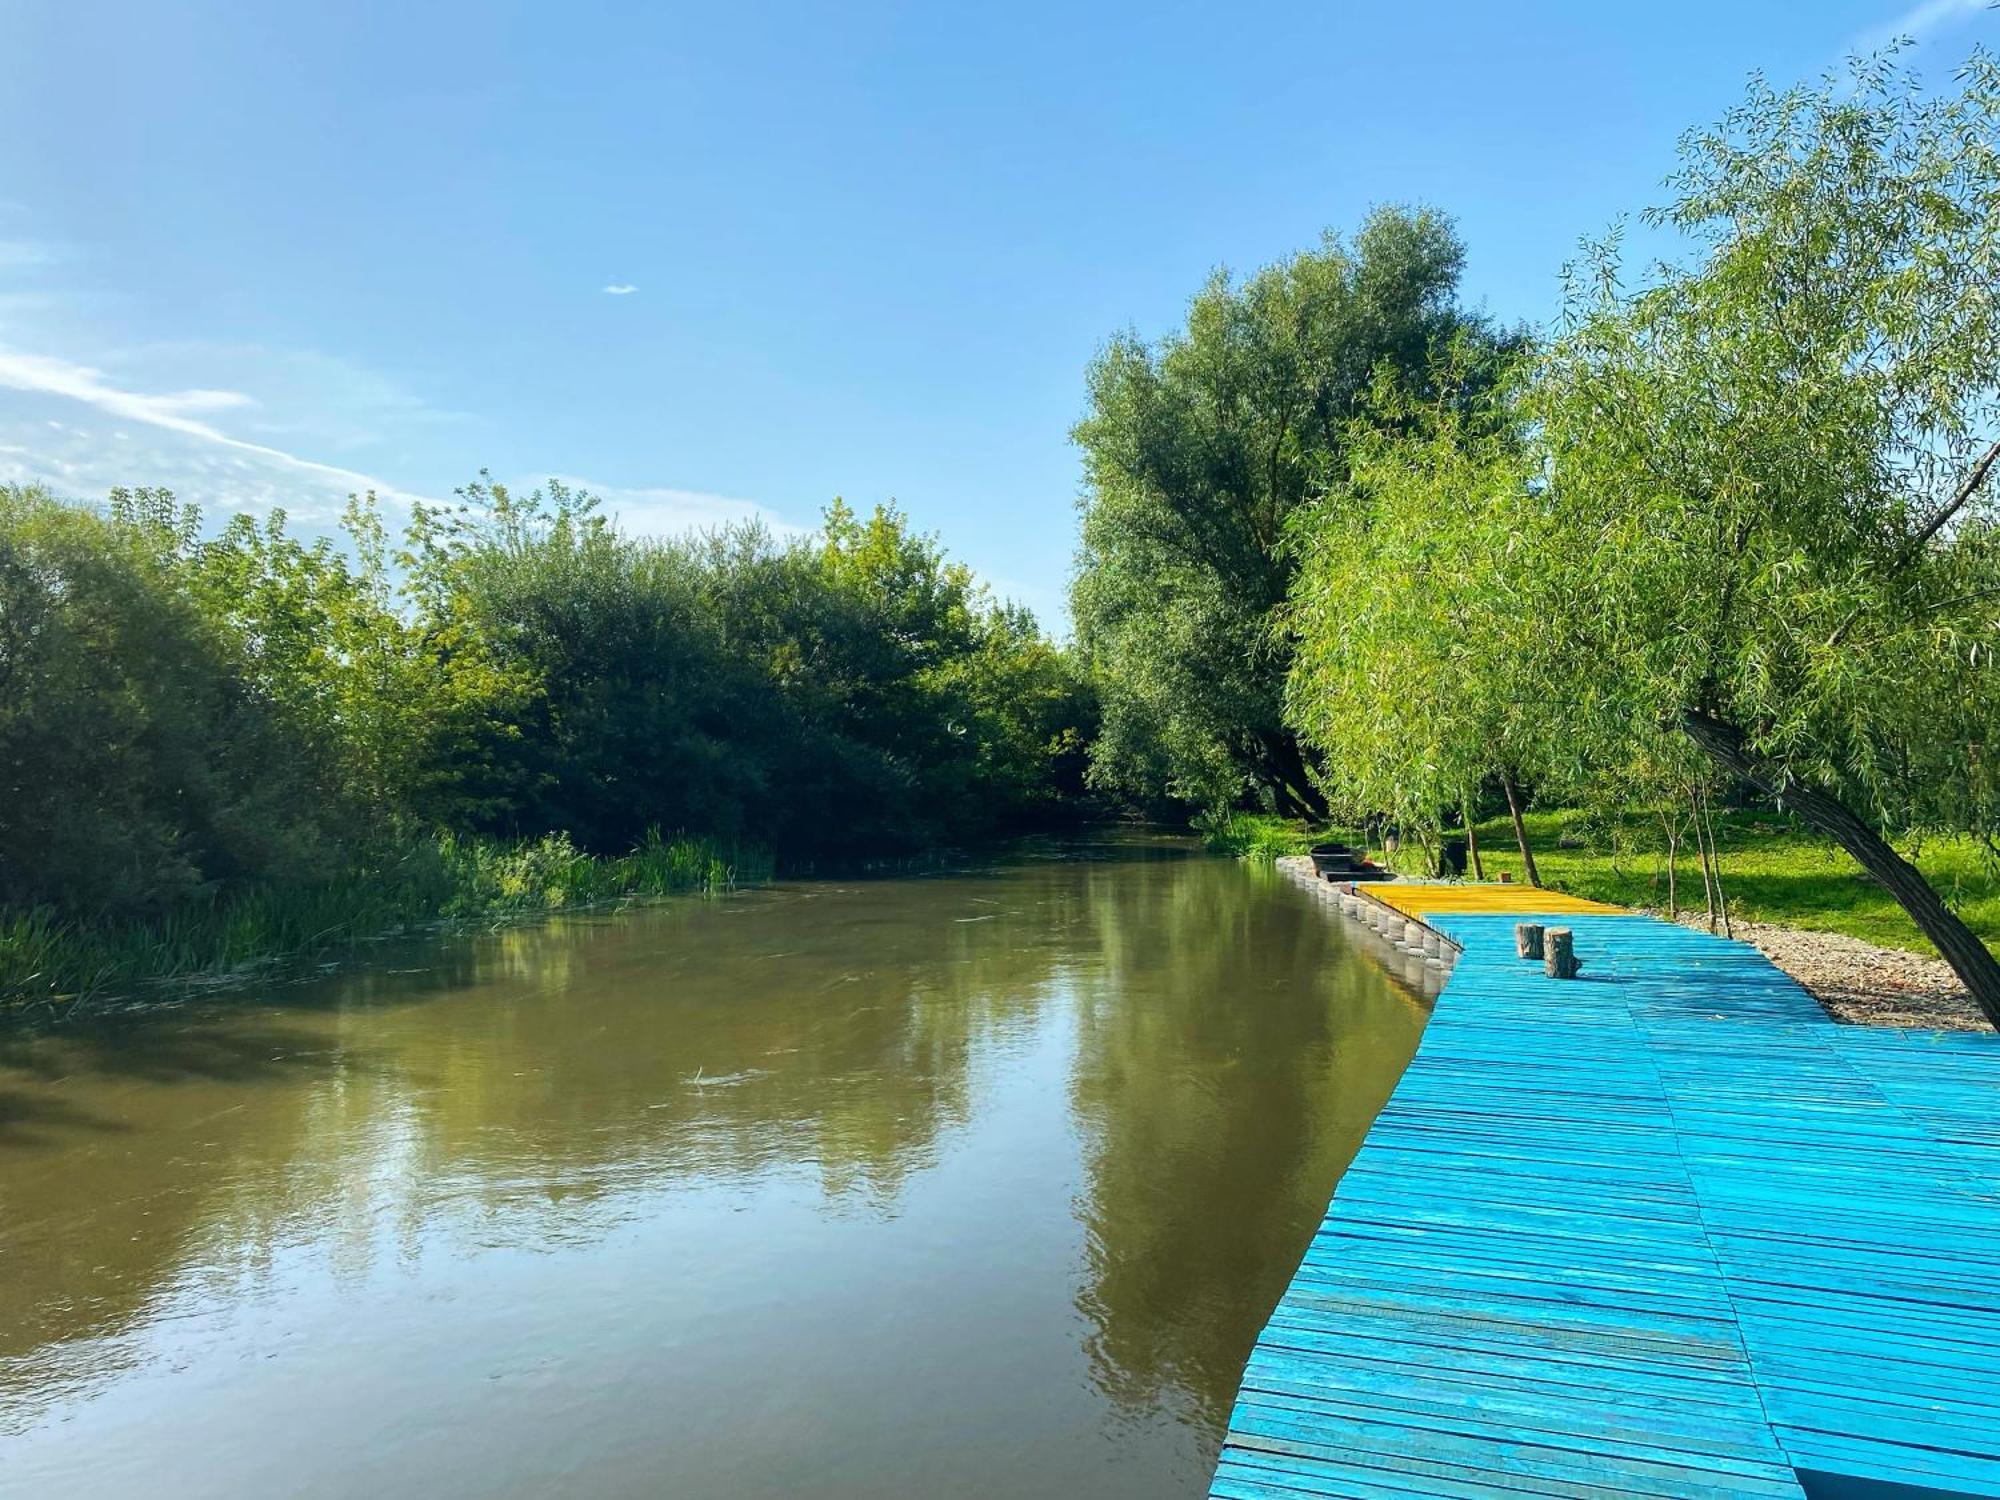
(1919, 23)
(660, 511)
(179, 412)
(224, 471)
(243, 427)
(26, 255)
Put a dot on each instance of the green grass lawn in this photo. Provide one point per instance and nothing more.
(1772, 871)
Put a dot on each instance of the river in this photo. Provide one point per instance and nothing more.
(974, 1184)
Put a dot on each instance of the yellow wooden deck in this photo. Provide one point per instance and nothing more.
(1420, 901)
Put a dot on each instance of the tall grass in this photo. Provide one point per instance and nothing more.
(51, 959)
(1252, 835)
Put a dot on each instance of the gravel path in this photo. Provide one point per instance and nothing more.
(1860, 983)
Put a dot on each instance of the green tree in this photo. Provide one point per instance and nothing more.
(943, 713)
(319, 633)
(1416, 655)
(602, 699)
(1196, 451)
(1770, 467)
(143, 758)
(851, 690)
(1748, 506)
(185, 718)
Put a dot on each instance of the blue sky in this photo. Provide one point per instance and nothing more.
(265, 254)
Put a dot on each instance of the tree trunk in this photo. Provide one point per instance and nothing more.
(1969, 958)
(1286, 804)
(1528, 869)
(1471, 839)
(1289, 775)
(1715, 858)
(1701, 848)
(1673, 855)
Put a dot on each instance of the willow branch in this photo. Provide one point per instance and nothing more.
(1969, 486)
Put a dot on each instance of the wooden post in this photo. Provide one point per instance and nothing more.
(1528, 939)
(1561, 955)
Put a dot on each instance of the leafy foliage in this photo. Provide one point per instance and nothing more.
(1418, 654)
(141, 759)
(1736, 522)
(1761, 467)
(187, 724)
(850, 690)
(1252, 836)
(1196, 452)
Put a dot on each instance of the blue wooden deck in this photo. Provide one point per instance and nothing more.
(1662, 1231)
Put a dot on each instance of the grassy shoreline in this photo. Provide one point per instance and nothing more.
(47, 961)
(1772, 870)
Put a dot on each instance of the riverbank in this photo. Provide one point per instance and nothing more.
(47, 960)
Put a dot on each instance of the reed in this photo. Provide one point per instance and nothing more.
(1255, 836)
(51, 960)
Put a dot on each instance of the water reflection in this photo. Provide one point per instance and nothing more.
(1231, 1058)
(979, 1182)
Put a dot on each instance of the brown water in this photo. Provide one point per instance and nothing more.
(971, 1185)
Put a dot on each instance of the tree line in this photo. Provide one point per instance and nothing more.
(1731, 522)
(1349, 549)
(187, 717)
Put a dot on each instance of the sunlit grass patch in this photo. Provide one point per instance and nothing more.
(1772, 871)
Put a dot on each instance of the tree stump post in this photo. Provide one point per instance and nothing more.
(1560, 958)
(1528, 939)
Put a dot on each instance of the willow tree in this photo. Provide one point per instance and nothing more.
(1765, 517)
(1196, 451)
(1418, 656)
